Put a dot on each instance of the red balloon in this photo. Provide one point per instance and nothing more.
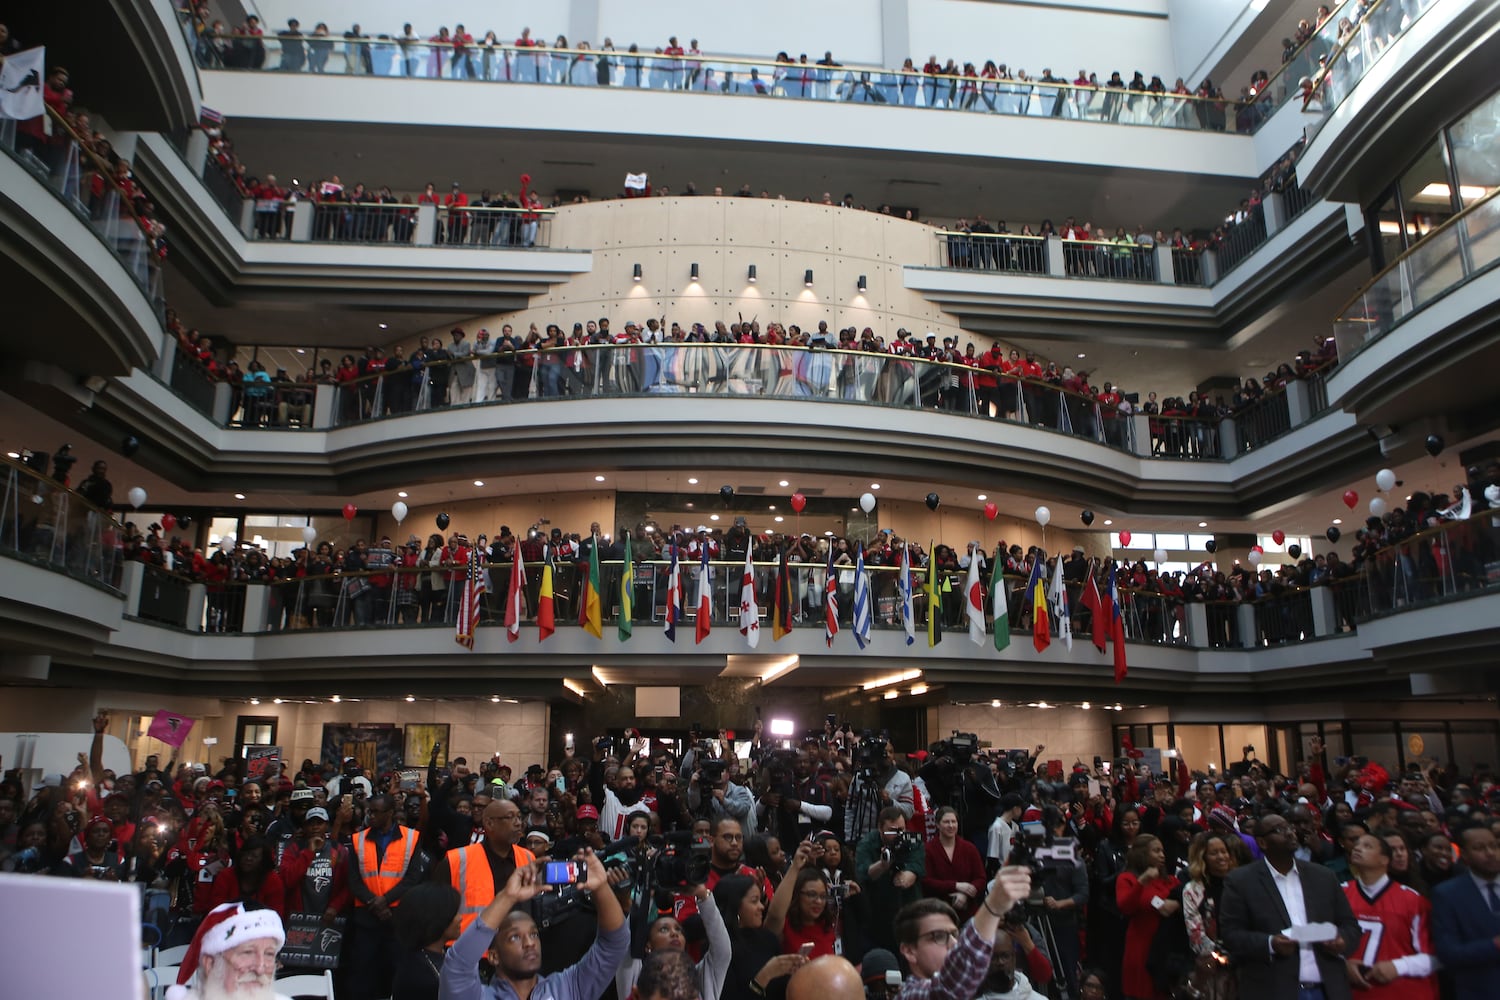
(798, 502)
(1124, 538)
(1351, 498)
(349, 511)
(1278, 536)
(991, 511)
(729, 734)
(168, 522)
(1257, 548)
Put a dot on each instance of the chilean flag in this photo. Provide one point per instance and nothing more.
(705, 597)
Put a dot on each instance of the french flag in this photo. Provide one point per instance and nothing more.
(705, 597)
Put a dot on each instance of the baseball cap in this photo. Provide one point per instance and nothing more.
(302, 795)
(317, 812)
(48, 781)
(587, 812)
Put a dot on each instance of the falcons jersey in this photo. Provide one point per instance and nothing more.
(1393, 928)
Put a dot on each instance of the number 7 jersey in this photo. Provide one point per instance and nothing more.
(1393, 928)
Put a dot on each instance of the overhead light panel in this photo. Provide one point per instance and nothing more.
(880, 682)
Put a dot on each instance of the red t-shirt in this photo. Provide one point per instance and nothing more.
(820, 937)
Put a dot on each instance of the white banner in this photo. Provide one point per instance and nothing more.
(21, 84)
(635, 182)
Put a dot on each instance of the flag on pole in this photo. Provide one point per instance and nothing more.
(862, 615)
(545, 622)
(590, 614)
(903, 584)
(171, 728)
(469, 602)
(781, 604)
(674, 599)
(21, 85)
(1036, 598)
(703, 623)
(749, 609)
(514, 609)
(974, 596)
(1000, 610)
(1098, 620)
(934, 607)
(830, 601)
(1117, 627)
(627, 593)
(1060, 602)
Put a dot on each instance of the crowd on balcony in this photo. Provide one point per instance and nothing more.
(762, 867)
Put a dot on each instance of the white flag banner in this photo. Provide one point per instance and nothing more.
(635, 182)
(749, 609)
(1060, 605)
(21, 84)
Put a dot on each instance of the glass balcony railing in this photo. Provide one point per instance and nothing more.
(83, 182)
(1354, 43)
(45, 523)
(1461, 249)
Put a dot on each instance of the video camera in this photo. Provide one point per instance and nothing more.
(780, 768)
(960, 747)
(677, 861)
(1025, 846)
(869, 756)
(898, 849)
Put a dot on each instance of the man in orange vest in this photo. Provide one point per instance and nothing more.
(479, 871)
(377, 876)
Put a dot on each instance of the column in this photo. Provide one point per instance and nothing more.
(1298, 402)
(323, 398)
(302, 221)
(1055, 266)
(223, 402)
(1197, 625)
(132, 581)
(426, 233)
(166, 359)
(1165, 272)
(1249, 635)
(895, 32)
(1324, 614)
(247, 218)
(196, 153)
(257, 608)
(1274, 212)
(1140, 425)
(1209, 266)
(1229, 438)
(196, 602)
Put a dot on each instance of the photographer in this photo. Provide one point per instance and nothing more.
(889, 864)
(1065, 892)
(710, 792)
(793, 804)
(878, 784)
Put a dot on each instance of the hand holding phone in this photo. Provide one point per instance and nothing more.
(560, 873)
(806, 949)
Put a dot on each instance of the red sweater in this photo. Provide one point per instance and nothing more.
(942, 874)
(1135, 898)
(226, 889)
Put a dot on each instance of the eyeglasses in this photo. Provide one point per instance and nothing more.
(939, 937)
(813, 894)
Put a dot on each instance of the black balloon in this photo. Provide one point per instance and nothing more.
(130, 445)
(183, 520)
(726, 493)
(1434, 444)
(1333, 533)
(1294, 550)
(1211, 545)
(443, 521)
(933, 501)
(1088, 518)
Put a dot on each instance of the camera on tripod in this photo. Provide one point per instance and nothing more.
(780, 767)
(1025, 846)
(961, 747)
(869, 756)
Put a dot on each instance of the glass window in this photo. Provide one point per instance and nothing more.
(1138, 540)
(1426, 199)
(1473, 747)
(1197, 542)
(1375, 740)
(1172, 543)
(1475, 139)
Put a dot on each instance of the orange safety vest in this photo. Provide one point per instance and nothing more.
(381, 877)
(470, 871)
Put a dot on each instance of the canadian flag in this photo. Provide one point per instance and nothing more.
(749, 610)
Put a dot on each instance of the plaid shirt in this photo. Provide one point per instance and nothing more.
(965, 968)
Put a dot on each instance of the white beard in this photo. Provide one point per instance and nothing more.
(251, 988)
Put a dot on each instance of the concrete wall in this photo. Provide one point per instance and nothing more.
(1068, 734)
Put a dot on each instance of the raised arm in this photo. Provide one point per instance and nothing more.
(781, 900)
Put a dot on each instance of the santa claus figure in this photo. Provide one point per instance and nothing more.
(232, 957)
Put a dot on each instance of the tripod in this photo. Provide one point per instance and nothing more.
(864, 805)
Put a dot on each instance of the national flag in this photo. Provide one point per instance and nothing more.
(171, 728)
(862, 614)
(1117, 627)
(590, 613)
(903, 584)
(627, 593)
(545, 622)
(830, 601)
(21, 78)
(934, 607)
(781, 604)
(208, 117)
(674, 599)
(470, 600)
(974, 596)
(1060, 602)
(1000, 610)
(1036, 599)
(749, 609)
(703, 623)
(1097, 615)
(514, 598)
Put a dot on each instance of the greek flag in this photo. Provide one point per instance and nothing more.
(861, 601)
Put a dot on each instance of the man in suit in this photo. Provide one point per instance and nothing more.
(1264, 899)
(1466, 916)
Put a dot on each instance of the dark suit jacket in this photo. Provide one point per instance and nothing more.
(1251, 912)
(1463, 935)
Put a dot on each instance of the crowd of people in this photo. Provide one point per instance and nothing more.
(701, 870)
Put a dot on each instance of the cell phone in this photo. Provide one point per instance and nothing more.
(806, 949)
(232, 793)
(562, 784)
(560, 873)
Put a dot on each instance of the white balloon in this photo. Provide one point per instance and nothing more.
(1377, 507)
(867, 502)
(398, 511)
(137, 497)
(226, 543)
(1385, 480)
(1254, 558)
(308, 534)
(1043, 515)
(1161, 555)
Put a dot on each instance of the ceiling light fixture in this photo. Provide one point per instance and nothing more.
(1202, 524)
(255, 701)
(479, 482)
(383, 326)
(892, 695)
(874, 486)
(984, 496)
(578, 688)
(401, 494)
(239, 496)
(713, 517)
(750, 275)
(779, 519)
(693, 274)
(692, 482)
(411, 698)
(783, 483)
(879, 682)
(1082, 355)
(1085, 706)
(1338, 520)
(919, 689)
(495, 698)
(276, 701)
(598, 479)
(335, 699)
(635, 273)
(995, 703)
(1108, 522)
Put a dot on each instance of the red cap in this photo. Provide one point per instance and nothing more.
(587, 812)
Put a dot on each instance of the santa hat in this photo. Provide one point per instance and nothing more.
(225, 926)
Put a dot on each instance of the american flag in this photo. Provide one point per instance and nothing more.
(470, 601)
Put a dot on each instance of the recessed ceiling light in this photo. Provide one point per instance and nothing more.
(690, 506)
(783, 483)
(773, 506)
(276, 701)
(828, 534)
(383, 326)
(402, 494)
(479, 482)
(255, 701)
(239, 496)
(335, 699)
(713, 517)
(301, 350)
(984, 496)
(995, 703)
(411, 698)
(1108, 522)
(1338, 520)
(13, 454)
(495, 698)
(1082, 355)
(874, 486)
(692, 482)
(598, 479)
(779, 519)
(1202, 524)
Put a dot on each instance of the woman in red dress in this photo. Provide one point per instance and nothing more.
(1141, 892)
(955, 871)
